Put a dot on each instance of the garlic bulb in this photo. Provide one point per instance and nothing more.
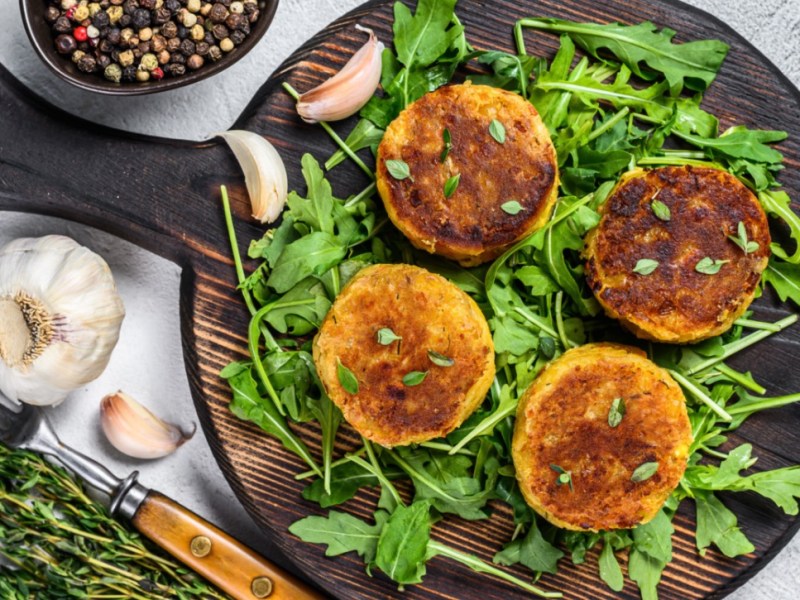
(264, 173)
(135, 431)
(349, 90)
(60, 316)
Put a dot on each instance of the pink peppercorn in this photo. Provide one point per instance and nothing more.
(157, 73)
(79, 33)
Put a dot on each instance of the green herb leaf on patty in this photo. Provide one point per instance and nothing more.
(448, 144)
(440, 360)
(564, 477)
(616, 412)
(660, 210)
(644, 472)
(346, 378)
(709, 266)
(399, 169)
(386, 336)
(414, 378)
(740, 239)
(498, 131)
(451, 185)
(512, 207)
(645, 266)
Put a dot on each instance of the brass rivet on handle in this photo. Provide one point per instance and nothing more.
(200, 546)
(261, 587)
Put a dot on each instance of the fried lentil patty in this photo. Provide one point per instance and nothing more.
(676, 303)
(431, 315)
(470, 225)
(563, 424)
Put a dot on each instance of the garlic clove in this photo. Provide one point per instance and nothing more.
(264, 173)
(60, 316)
(137, 432)
(349, 90)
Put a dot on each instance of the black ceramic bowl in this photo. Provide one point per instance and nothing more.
(42, 38)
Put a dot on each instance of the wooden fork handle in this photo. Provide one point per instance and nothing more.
(225, 562)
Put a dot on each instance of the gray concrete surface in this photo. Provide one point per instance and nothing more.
(147, 362)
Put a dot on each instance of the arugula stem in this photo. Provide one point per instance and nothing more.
(562, 334)
(421, 476)
(378, 473)
(335, 136)
(739, 378)
(665, 160)
(538, 322)
(446, 448)
(739, 345)
(766, 326)
(365, 193)
(714, 453)
(485, 426)
(335, 463)
(700, 395)
(765, 404)
(621, 114)
(479, 566)
(237, 259)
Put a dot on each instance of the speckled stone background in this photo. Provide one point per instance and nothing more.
(147, 362)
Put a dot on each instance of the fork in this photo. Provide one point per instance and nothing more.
(227, 563)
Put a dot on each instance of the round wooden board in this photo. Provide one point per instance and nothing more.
(163, 196)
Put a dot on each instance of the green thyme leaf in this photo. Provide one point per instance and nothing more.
(511, 207)
(414, 378)
(451, 185)
(440, 360)
(740, 239)
(661, 210)
(645, 266)
(644, 472)
(386, 336)
(616, 412)
(448, 144)
(564, 477)
(399, 169)
(346, 378)
(709, 266)
(498, 131)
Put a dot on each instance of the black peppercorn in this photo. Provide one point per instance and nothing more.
(234, 21)
(141, 18)
(220, 32)
(103, 32)
(226, 2)
(113, 36)
(129, 73)
(214, 53)
(105, 46)
(183, 33)
(62, 25)
(87, 64)
(187, 47)
(148, 4)
(172, 5)
(201, 48)
(177, 58)
(169, 30)
(125, 20)
(173, 44)
(175, 69)
(237, 37)
(103, 60)
(218, 13)
(161, 16)
(101, 19)
(253, 16)
(250, 8)
(130, 6)
(66, 44)
(51, 14)
(209, 38)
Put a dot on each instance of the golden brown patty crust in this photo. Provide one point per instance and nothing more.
(470, 226)
(676, 303)
(430, 314)
(562, 421)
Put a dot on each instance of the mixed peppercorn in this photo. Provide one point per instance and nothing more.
(139, 40)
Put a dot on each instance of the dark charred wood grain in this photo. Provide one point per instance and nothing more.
(163, 195)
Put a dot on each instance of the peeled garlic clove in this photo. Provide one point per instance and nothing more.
(135, 431)
(264, 173)
(60, 316)
(349, 90)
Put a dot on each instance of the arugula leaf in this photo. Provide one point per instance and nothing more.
(533, 551)
(346, 479)
(422, 38)
(342, 533)
(537, 279)
(778, 204)
(716, 525)
(645, 50)
(248, 405)
(364, 135)
(655, 538)
(610, 571)
(317, 210)
(403, 543)
(646, 572)
(301, 309)
(312, 254)
(784, 278)
(740, 142)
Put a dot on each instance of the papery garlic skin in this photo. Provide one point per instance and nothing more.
(349, 90)
(137, 432)
(264, 173)
(60, 316)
